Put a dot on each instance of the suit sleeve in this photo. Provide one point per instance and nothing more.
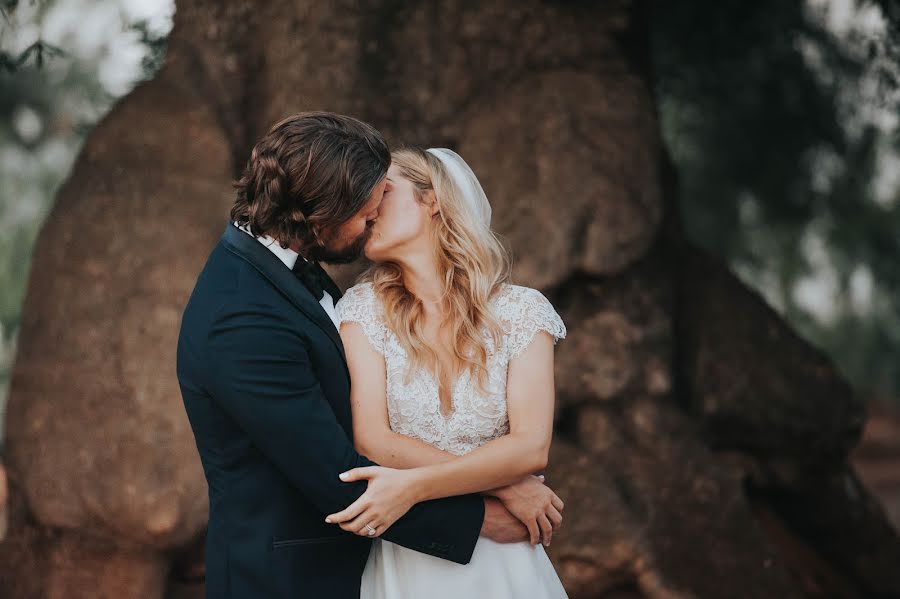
(260, 374)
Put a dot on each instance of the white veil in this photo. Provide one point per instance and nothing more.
(463, 177)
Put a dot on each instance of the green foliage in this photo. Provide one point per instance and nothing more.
(156, 48)
(38, 50)
(782, 134)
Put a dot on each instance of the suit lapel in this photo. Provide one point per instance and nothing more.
(273, 269)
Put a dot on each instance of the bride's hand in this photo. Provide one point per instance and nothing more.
(535, 505)
(390, 494)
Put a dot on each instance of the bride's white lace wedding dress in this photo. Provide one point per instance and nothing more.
(496, 571)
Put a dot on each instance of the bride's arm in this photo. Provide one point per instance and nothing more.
(530, 399)
(372, 434)
(521, 452)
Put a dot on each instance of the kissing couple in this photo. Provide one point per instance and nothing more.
(384, 443)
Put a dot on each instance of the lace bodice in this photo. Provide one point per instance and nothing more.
(414, 404)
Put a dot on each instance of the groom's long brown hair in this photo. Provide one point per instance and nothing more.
(311, 168)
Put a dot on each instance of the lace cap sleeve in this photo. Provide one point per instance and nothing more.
(361, 305)
(527, 311)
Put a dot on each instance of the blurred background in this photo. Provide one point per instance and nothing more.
(781, 119)
(63, 64)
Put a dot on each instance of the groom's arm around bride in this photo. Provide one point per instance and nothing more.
(265, 381)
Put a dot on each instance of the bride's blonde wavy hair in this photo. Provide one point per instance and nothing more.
(473, 265)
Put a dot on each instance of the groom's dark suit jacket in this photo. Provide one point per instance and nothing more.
(266, 388)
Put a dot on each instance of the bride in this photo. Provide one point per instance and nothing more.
(452, 384)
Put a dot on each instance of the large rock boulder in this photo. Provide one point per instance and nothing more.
(701, 445)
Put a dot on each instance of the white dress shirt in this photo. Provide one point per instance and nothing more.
(289, 257)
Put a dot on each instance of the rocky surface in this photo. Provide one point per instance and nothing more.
(4, 503)
(877, 458)
(702, 446)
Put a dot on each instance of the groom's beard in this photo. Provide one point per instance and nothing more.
(345, 255)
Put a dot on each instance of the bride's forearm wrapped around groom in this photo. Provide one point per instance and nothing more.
(504, 467)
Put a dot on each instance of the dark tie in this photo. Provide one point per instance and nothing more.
(314, 277)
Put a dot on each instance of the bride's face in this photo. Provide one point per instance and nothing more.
(404, 223)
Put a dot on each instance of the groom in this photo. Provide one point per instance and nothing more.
(265, 382)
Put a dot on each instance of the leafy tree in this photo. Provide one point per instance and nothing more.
(782, 133)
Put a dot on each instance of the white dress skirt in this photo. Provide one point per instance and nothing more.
(496, 570)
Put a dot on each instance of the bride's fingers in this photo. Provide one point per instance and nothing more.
(358, 524)
(555, 517)
(359, 474)
(365, 532)
(351, 511)
(361, 525)
(546, 528)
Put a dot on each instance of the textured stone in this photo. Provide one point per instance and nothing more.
(756, 384)
(659, 512)
(620, 335)
(550, 177)
(668, 355)
(4, 503)
(877, 458)
(95, 423)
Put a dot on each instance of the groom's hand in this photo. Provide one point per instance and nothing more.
(500, 525)
(535, 505)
